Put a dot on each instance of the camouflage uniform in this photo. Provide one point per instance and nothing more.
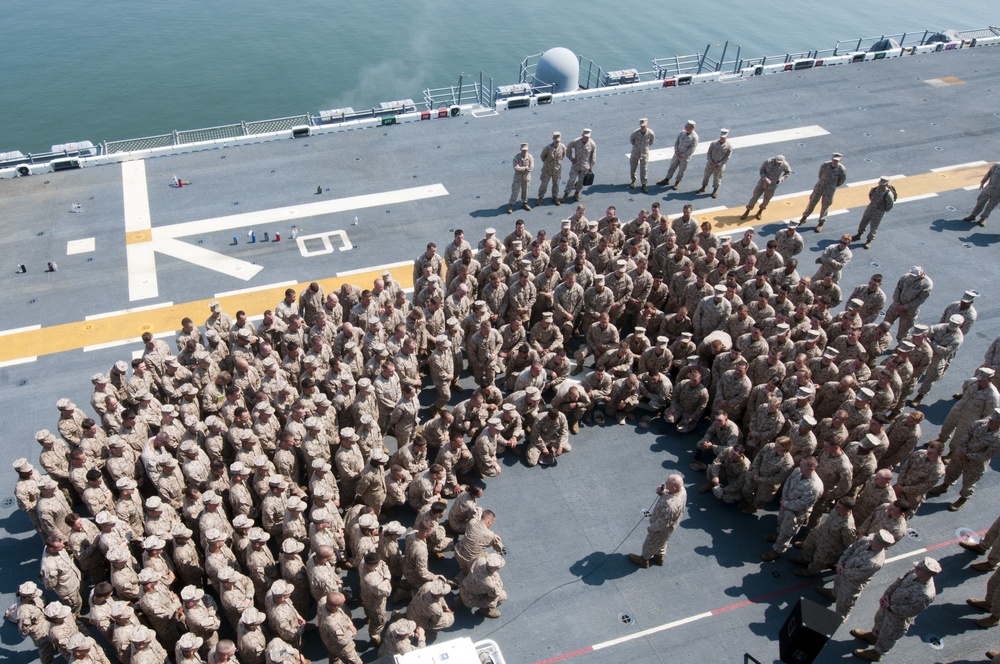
(523, 164)
(831, 175)
(684, 147)
(911, 292)
(583, 156)
(376, 587)
(772, 466)
(855, 569)
(772, 172)
(972, 454)
(797, 499)
(825, 543)
(907, 597)
(640, 139)
(716, 159)
(918, 475)
(552, 158)
(989, 195)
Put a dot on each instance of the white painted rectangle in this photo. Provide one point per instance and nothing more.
(387, 266)
(83, 246)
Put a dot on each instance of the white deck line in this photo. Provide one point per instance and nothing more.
(131, 310)
(125, 342)
(862, 183)
(18, 330)
(20, 360)
(748, 141)
(387, 266)
(797, 193)
(710, 210)
(971, 187)
(951, 168)
(295, 212)
(920, 197)
(652, 630)
(141, 262)
(213, 260)
(243, 291)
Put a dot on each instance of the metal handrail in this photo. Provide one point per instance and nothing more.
(479, 89)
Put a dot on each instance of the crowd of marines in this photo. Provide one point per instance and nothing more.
(250, 473)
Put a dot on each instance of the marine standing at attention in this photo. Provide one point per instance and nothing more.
(552, 159)
(582, 154)
(881, 199)
(684, 146)
(640, 139)
(989, 195)
(772, 172)
(718, 156)
(523, 165)
(832, 174)
(667, 512)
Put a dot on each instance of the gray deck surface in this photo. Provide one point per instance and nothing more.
(569, 527)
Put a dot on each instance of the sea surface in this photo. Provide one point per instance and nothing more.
(116, 69)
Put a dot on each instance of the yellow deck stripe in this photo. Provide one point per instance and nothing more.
(76, 335)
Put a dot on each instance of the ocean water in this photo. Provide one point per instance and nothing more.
(116, 69)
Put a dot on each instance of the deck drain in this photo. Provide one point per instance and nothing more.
(7, 502)
(867, 160)
(939, 149)
(624, 617)
(22, 382)
(950, 208)
(913, 534)
(39, 233)
(934, 641)
(776, 574)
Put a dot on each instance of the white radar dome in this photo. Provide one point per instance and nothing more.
(559, 67)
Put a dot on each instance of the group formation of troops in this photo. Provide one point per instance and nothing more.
(582, 154)
(250, 474)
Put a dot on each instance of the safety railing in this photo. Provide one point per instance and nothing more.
(475, 89)
(478, 89)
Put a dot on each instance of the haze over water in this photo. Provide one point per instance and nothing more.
(115, 69)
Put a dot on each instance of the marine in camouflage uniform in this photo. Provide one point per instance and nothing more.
(911, 291)
(552, 158)
(832, 174)
(582, 153)
(921, 471)
(523, 164)
(899, 606)
(880, 200)
(640, 139)
(824, 544)
(856, 567)
(971, 457)
(684, 147)
(989, 195)
(719, 152)
(801, 491)
(772, 172)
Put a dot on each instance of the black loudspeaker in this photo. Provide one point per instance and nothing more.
(808, 627)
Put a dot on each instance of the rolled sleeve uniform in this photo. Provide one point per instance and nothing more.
(717, 158)
(857, 566)
(972, 456)
(910, 293)
(684, 146)
(880, 201)
(583, 156)
(552, 158)
(666, 514)
(908, 596)
(772, 172)
(523, 165)
(990, 194)
(945, 343)
(640, 140)
(797, 499)
(830, 177)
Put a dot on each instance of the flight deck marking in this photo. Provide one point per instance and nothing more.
(111, 314)
(725, 609)
(142, 241)
(72, 335)
(244, 291)
(324, 238)
(18, 330)
(748, 141)
(81, 246)
(955, 166)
